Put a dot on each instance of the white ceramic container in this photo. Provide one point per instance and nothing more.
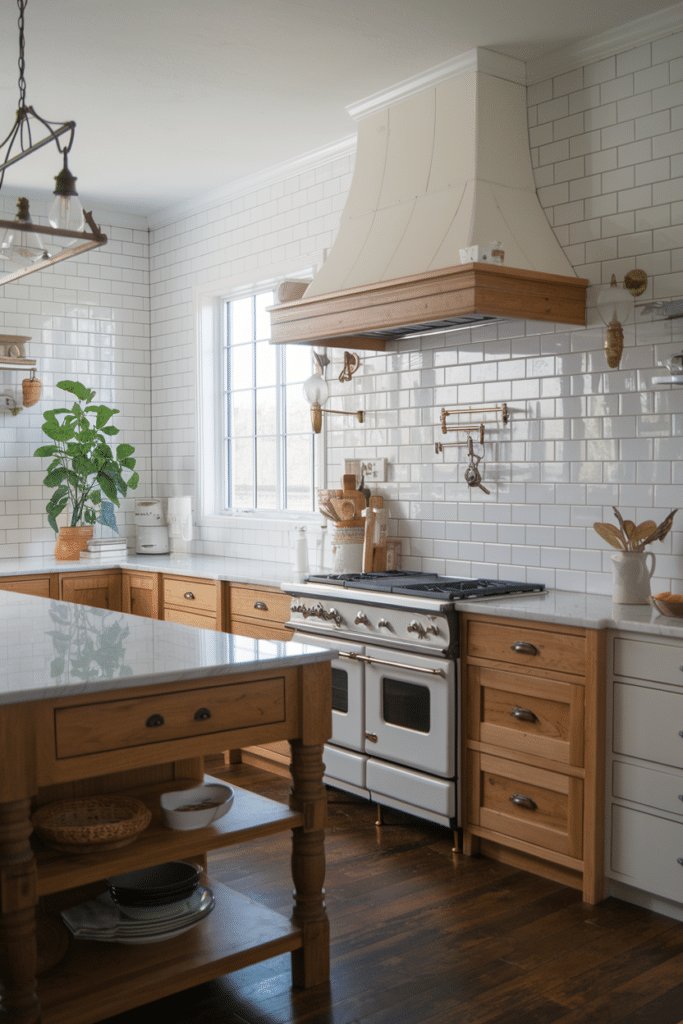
(187, 809)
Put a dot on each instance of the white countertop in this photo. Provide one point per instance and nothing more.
(237, 570)
(591, 611)
(55, 649)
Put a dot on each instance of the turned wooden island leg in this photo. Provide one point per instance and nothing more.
(18, 958)
(311, 964)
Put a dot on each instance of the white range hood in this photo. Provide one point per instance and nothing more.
(442, 165)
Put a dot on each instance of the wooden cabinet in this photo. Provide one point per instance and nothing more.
(140, 594)
(60, 747)
(193, 602)
(101, 589)
(644, 820)
(259, 612)
(533, 724)
(37, 586)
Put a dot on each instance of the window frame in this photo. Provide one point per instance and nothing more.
(210, 315)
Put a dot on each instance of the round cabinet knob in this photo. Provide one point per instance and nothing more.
(154, 721)
(202, 714)
(189, 595)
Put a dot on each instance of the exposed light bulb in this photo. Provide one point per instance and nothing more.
(23, 247)
(66, 211)
(316, 391)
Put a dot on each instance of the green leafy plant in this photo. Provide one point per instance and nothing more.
(84, 467)
(628, 536)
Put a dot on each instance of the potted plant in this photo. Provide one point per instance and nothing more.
(84, 468)
(631, 573)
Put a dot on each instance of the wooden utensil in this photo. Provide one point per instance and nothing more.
(344, 507)
(375, 541)
(354, 495)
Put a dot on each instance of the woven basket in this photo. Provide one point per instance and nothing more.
(92, 823)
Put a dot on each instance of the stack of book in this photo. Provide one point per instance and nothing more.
(104, 548)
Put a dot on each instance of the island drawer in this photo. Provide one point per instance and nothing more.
(527, 803)
(524, 646)
(536, 716)
(264, 605)
(116, 724)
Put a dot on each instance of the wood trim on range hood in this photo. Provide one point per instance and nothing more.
(368, 316)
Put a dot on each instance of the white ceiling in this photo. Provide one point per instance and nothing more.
(177, 98)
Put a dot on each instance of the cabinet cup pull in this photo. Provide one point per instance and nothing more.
(522, 647)
(261, 606)
(523, 715)
(523, 801)
(154, 720)
(202, 714)
(189, 595)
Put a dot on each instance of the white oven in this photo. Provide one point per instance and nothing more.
(394, 719)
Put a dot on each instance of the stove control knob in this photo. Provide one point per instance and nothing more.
(417, 627)
(361, 619)
(433, 629)
(384, 624)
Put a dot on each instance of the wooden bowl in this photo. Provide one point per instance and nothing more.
(669, 604)
(89, 824)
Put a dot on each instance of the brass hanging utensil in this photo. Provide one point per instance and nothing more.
(31, 389)
(472, 474)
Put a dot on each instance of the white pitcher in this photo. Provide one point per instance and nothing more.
(631, 577)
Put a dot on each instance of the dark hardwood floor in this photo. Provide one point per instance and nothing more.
(424, 936)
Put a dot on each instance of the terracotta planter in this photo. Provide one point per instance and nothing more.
(71, 540)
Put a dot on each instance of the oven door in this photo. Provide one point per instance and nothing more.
(411, 709)
(348, 707)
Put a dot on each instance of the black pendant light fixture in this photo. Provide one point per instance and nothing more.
(25, 247)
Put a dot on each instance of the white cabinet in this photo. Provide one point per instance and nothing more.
(644, 785)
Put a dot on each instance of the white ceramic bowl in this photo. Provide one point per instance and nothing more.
(196, 808)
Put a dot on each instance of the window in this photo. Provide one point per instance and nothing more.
(262, 456)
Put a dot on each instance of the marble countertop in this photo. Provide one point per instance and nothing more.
(214, 567)
(55, 649)
(591, 611)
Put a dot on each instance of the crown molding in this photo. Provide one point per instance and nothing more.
(480, 59)
(270, 176)
(607, 44)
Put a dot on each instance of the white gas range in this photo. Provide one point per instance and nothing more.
(396, 682)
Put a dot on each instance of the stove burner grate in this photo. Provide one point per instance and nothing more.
(459, 589)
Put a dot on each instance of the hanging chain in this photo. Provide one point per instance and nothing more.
(22, 63)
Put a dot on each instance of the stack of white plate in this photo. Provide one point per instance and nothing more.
(102, 920)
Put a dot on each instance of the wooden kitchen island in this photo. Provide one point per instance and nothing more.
(92, 702)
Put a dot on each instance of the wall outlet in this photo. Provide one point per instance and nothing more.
(353, 466)
(374, 471)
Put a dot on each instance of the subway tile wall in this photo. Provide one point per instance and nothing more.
(88, 320)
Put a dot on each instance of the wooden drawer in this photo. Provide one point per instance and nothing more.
(186, 618)
(647, 723)
(645, 851)
(523, 647)
(196, 596)
(37, 586)
(552, 820)
(656, 790)
(535, 716)
(647, 659)
(259, 630)
(96, 590)
(117, 724)
(262, 605)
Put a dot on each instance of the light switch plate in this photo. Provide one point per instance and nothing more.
(374, 471)
(353, 466)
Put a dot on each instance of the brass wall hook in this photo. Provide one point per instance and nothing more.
(351, 364)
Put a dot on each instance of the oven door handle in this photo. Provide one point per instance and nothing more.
(393, 664)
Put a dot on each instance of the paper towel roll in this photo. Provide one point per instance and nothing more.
(179, 517)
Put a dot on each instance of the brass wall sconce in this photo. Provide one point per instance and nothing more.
(316, 391)
(614, 306)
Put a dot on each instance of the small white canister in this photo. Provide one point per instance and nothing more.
(347, 548)
(149, 512)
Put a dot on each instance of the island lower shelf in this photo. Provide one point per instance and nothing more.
(98, 979)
